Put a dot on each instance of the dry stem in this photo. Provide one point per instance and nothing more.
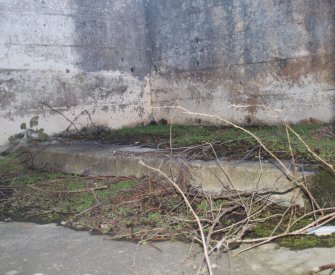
(205, 248)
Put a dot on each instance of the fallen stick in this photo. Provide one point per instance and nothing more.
(203, 239)
(322, 268)
(68, 192)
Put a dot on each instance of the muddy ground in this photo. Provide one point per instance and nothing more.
(150, 208)
(143, 210)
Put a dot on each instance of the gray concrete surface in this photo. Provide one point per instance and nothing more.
(31, 249)
(91, 158)
(48, 249)
(116, 59)
(264, 54)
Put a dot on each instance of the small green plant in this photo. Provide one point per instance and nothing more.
(203, 206)
(31, 133)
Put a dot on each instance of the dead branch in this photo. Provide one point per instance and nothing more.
(311, 151)
(68, 192)
(204, 244)
(322, 268)
(56, 111)
(84, 112)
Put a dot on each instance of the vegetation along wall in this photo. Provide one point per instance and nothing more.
(249, 61)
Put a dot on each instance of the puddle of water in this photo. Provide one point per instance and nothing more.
(135, 149)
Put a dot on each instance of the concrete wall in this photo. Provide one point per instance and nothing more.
(74, 55)
(116, 58)
(211, 54)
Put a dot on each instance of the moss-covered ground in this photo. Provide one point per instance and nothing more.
(293, 242)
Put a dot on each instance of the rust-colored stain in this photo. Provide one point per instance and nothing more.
(321, 67)
(245, 83)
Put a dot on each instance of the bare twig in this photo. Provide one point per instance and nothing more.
(322, 268)
(311, 151)
(56, 111)
(69, 191)
(282, 165)
(203, 239)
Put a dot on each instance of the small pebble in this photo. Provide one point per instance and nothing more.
(104, 226)
(214, 266)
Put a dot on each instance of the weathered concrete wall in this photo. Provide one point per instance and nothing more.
(211, 54)
(74, 55)
(116, 58)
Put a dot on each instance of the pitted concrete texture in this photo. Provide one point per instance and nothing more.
(31, 249)
(265, 55)
(48, 249)
(91, 158)
(117, 59)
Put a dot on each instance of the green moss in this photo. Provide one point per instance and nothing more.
(294, 242)
(28, 179)
(46, 205)
(203, 206)
(114, 189)
(75, 185)
(304, 242)
(82, 201)
(35, 177)
(263, 230)
(123, 185)
(123, 212)
(164, 130)
(154, 217)
(56, 175)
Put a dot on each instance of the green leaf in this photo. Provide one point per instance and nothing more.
(42, 136)
(34, 121)
(19, 136)
(41, 130)
(23, 126)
